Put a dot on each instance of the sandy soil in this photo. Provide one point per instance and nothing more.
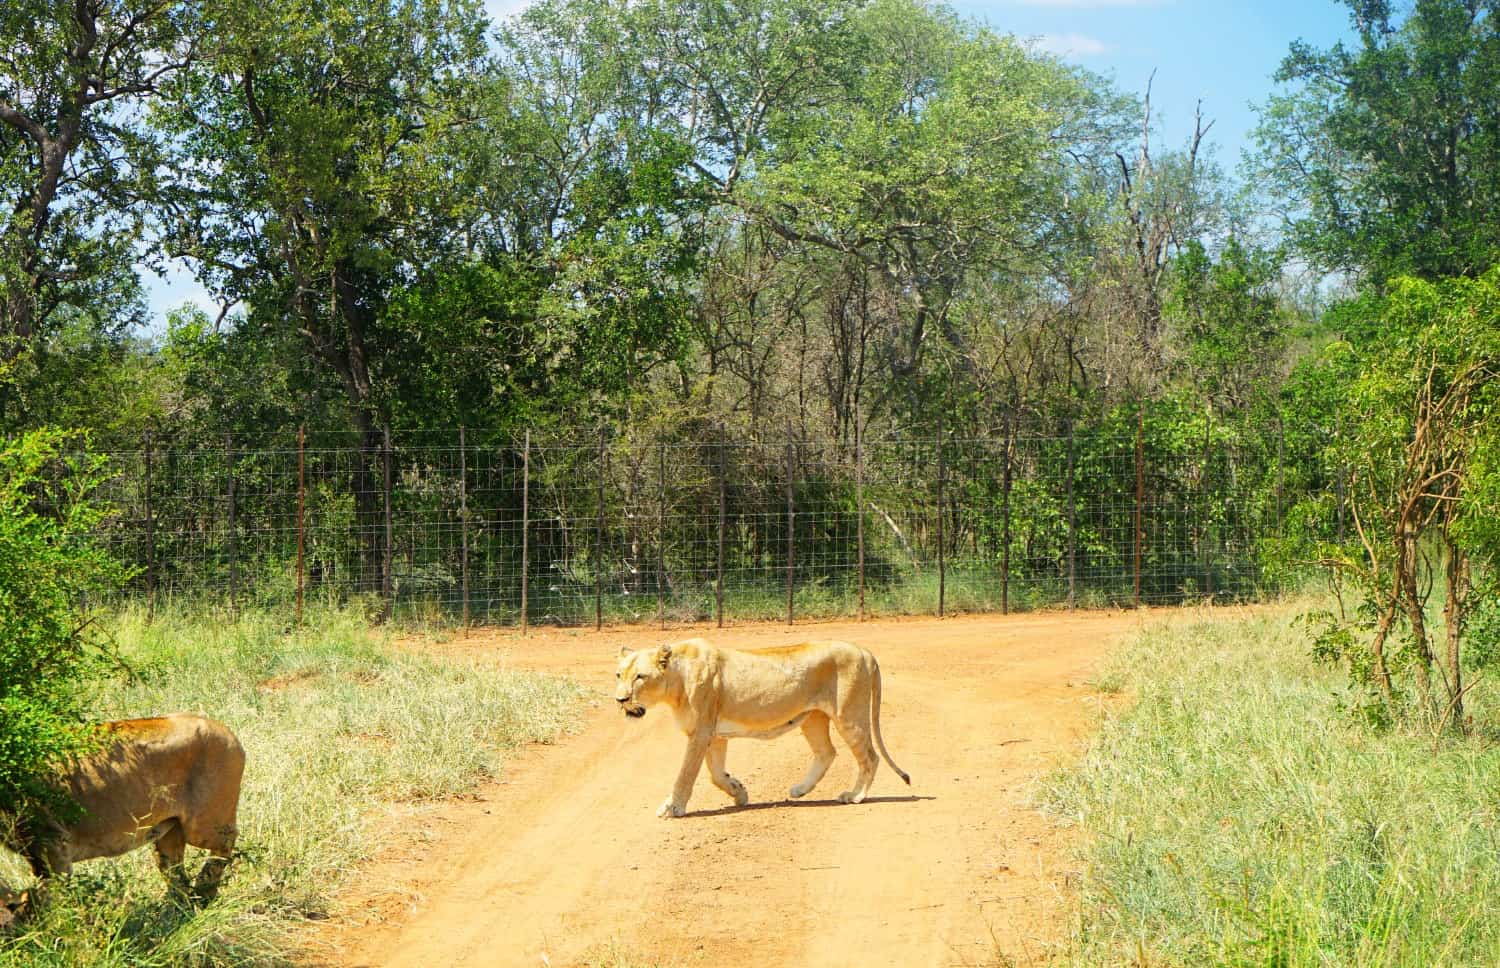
(564, 862)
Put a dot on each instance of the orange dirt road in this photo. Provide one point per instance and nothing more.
(564, 862)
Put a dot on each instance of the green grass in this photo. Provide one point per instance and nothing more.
(334, 722)
(1236, 813)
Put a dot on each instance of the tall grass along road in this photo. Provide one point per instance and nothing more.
(1239, 814)
(335, 722)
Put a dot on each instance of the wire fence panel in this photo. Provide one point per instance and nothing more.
(584, 528)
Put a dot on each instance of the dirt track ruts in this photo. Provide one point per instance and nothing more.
(564, 861)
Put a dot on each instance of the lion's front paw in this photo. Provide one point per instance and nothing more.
(851, 796)
(668, 810)
(798, 792)
(741, 795)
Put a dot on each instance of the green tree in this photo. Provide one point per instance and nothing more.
(315, 175)
(604, 216)
(1385, 153)
(942, 153)
(48, 567)
(1230, 322)
(320, 171)
(73, 150)
(1419, 443)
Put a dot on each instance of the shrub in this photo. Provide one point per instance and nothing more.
(49, 566)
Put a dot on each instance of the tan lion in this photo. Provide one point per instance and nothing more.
(723, 694)
(169, 781)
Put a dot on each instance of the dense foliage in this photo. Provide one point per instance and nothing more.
(749, 218)
(48, 568)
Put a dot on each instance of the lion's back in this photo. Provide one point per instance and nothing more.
(151, 770)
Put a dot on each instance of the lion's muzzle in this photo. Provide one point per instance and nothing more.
(632, 709)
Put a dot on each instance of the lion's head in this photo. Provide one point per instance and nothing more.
(13, 908)
(640, 678)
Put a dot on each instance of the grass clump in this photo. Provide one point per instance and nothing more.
(1239, 814)
(334, 722)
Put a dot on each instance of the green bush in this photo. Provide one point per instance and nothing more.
(48, 568)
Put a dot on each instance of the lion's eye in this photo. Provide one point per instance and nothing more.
(639, 677)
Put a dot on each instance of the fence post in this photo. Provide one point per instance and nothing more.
(233, 535)
(301, 511)
(942, 513)
(723, 514)
(150, 535)
(1072, 527)
(661, 534)
(1280, 474)
(525, 526)
(386, 583)
(1140, 492)
(1010, 446)
(1339, 489)
(463, 516)
(859, 507)
(599, 540)
(1208, 564)
(791, 525)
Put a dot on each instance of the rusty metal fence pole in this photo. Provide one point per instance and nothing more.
(599, 540)
(661, 535)
(463, 518)
(1204, 551)
(233, 535)
(942, 513)
(723, 514)
(859, 507)
(1140, 494)
(1338, 433)
(791, 525)
(525, 527)
(301, 513)
(1072, 526)
(1280, 475)
(1005, 485)
(387, 583)
(150, 533)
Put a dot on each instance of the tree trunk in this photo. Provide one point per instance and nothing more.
(1412, 600)
(1455, 607)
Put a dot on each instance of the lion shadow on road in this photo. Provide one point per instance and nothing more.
(784, 804)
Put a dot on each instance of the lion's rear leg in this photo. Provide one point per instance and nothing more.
(170, 848)
(815, 731)
(857, 735)
(218, 839)
(717, 751)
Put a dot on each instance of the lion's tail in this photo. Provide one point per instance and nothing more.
(875, 716)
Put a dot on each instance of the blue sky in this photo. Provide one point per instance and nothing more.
(1221, 52)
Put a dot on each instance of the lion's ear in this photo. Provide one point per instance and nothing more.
(624, 651)
(663, 656)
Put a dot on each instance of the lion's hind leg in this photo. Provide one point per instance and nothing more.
(815, 731)
(717, 751)
(857, 735)
(217, 836)
(171, 845)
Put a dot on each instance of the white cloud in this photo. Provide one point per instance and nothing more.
(1071, 45)
(499, 10)
(1083, 4)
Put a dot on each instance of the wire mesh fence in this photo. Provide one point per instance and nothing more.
(590, 527)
